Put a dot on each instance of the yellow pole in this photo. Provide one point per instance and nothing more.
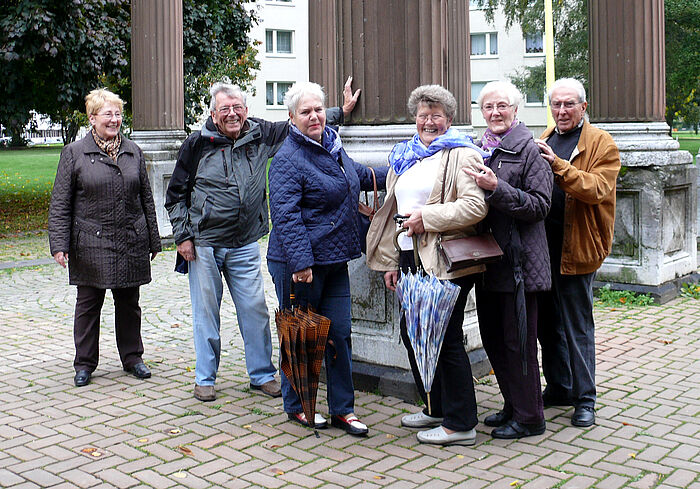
(549, 53)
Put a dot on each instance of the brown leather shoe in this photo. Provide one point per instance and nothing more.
(271, 388)
(204, 393)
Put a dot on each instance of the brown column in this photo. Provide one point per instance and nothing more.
(390, 47)
(156, 65)
(627, 60)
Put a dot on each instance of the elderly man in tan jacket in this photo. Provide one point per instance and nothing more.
(585, 162)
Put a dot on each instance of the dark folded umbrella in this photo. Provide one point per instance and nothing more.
(513, 251)
(302, 335)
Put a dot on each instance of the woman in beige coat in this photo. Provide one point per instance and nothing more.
(420, 166)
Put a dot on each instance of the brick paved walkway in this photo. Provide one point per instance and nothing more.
(121, 432)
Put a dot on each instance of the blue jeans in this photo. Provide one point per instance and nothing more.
(241, 269)
(329, 295)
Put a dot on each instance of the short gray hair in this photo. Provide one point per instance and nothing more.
(572, 83)
(505, 88)
(301, 89)
(228, 89)
(432, 95)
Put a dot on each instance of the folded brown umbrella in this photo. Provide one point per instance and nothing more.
(302, 334)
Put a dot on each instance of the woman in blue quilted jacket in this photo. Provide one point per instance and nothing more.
(314, 192)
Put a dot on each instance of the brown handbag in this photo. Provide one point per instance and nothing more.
(468, 251)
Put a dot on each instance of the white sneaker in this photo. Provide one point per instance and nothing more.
(420, 420)
(438, 436)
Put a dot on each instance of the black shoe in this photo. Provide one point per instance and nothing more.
(512, 429)
(498, 419)
(140, 371)
(550, 400)
(82, 378)
(584, 416)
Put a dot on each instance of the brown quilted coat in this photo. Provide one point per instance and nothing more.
(102, 214)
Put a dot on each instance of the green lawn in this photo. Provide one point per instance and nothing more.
(690, 143)
(26, 179)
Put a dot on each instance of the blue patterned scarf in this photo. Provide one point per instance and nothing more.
(406, 153)
(331, 139)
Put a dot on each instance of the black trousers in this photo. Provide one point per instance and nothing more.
(498, 325)
(566, 331)
(452, 394)
(86, 326)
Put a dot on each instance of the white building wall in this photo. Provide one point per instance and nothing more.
(511, 56)
(277, 15)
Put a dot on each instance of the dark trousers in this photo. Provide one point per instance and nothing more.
(498, 325)
(86, 326)
(566, 331)
(452, 394)
(329, 295)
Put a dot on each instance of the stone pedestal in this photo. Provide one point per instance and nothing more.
(654, 245)
(377, 349)
(160, 149)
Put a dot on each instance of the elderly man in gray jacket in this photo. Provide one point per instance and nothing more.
(217, 204)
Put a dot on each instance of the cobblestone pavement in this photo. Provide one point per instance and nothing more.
(121, 432)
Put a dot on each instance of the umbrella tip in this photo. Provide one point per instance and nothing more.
(316, 433)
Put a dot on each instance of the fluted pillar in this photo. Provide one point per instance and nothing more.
(157, 82)
(654, 247)
(389, 47)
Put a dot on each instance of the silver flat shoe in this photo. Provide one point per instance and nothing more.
(438, 436)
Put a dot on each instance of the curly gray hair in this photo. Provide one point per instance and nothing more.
(432, 95)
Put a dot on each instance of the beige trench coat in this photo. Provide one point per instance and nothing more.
(464, 207)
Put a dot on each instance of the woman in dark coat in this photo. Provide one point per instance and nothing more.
(103, 217)
(314, 191)
(518, 186)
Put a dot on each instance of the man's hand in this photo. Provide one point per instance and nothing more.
(61, 258)
(186, 249)
(414, 223)
(349, 99)
(545, 150)
(305, 276)
(485, 178)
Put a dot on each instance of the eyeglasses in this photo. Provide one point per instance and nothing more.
(502, 107)
(432, 117)
(108, 115)
(569, 104)
(226, 110)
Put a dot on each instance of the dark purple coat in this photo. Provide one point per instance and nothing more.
(524, 193)
(102, 214)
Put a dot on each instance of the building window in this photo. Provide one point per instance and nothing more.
(476, 90)
(534, 43)
(485, 44)
(278, 41)
(275, 91)
(535, 97)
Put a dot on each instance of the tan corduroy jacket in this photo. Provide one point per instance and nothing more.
(589, 180)
(464, 207)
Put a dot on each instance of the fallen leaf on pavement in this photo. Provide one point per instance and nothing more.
(277, 471)
(180, 475)
(88, 450)
(379, 477)
(143, 440)
(185, 450)
(515, 483)
(174, 431)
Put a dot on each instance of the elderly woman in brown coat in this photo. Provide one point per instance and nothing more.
(103, 217)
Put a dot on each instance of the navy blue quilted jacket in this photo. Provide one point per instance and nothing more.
(313, 204)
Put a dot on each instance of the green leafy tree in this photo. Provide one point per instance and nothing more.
(570, 37)
(682, 60)
(216, 47)
(682, 24)
(54, 52)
